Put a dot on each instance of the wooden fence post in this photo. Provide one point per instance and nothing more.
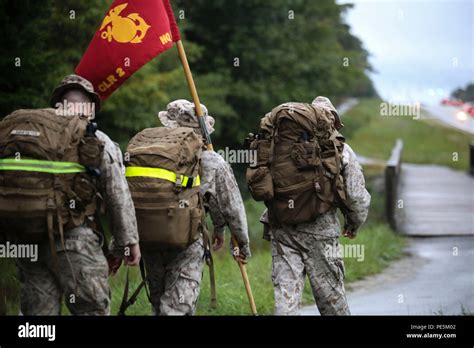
(392, 176)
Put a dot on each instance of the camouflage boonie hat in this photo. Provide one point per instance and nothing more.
(75, 82)
(325, 103)
(181, 113)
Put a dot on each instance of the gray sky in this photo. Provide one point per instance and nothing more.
(421, 50)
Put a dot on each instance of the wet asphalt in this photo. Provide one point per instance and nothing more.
(441, 281)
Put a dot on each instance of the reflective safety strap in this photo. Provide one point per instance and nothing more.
(52, 167)
(160, 173)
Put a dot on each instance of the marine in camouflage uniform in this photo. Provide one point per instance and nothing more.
(83, 268)
(302, 249)
(175, 277)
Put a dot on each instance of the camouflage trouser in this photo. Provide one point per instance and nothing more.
(175, 278)
(300, 254)
(82, 280)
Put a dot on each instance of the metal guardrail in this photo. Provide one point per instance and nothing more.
(392, 178)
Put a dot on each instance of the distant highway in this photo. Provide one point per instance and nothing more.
(448, 115)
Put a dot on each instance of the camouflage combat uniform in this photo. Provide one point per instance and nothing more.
(83, 269)
(301, 250)
(223, 200)
(175, 277)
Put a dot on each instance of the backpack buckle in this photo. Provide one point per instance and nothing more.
(190, 182)
(178, 183)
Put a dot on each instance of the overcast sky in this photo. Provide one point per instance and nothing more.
(421, 50)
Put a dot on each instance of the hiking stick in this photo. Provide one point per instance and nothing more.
(243, 270)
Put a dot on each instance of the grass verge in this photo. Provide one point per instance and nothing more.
(425, 142)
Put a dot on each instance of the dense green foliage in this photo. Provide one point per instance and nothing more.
(280, 59)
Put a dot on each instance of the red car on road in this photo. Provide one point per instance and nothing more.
(452, 102)
(469, 108)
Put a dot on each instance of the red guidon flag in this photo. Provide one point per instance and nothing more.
(132, 33)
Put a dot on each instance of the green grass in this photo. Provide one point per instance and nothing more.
(425, 142)
(231, 294)
(9, 290)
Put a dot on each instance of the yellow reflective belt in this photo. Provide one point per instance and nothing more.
(51, 167)
(160, 173)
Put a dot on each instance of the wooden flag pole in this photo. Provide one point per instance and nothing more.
(194, 94)
(197, 103)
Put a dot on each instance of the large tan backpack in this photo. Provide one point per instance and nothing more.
(298, 168)
(163, 167)
(47, 167)
(163, 174)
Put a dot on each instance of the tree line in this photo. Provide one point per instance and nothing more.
(466, 94)
(247, 56)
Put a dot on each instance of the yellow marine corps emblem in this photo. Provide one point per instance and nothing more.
(130, 29)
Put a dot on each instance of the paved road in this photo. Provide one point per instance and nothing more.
(436, 201)
(447, 115)
(436, 279)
